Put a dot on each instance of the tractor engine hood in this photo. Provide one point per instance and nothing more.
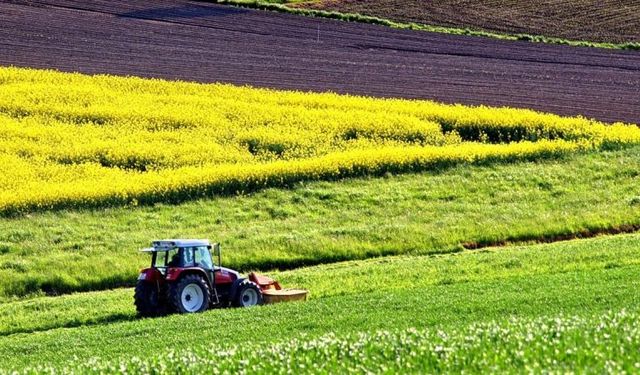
(226, 275)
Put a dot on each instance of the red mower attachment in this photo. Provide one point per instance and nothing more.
(272, 292)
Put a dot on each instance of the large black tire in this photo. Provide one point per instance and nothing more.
(190, 294)
(147, 299)
(247, 294)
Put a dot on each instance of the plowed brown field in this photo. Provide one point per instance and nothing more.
(208, 43)
(593, 20)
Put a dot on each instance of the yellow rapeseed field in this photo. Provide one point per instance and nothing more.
(71, 140)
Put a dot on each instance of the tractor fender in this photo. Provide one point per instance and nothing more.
(225, 276)
(174, 274)
(150, 275)
(234, 274)
(234, 287)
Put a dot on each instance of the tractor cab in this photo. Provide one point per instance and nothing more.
(182, 254)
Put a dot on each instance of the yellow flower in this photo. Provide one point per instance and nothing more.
(71, 140)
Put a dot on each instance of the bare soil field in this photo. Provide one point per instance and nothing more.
(211, 43)
(615, 21)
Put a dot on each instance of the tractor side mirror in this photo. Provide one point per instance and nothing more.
(216, 253)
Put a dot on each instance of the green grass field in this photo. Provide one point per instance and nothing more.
(321, 222)
(389, 279)
(512, 290)
(549, 344)
(457, 267)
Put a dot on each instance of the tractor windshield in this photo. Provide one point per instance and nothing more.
(164, 259)
(199, 256)
(203, 257)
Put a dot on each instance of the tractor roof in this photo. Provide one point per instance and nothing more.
(166, 245)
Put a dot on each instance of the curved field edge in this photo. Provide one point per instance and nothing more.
(351, 17)
(322, 222)
(190, 183)
(77, 141)
(523, 283)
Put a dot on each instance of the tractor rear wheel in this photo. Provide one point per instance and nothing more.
(248, 294)
(189, 295)
(147, 299)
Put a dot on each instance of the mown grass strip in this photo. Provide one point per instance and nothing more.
(351, 17)
(384, 275)
(440, 306)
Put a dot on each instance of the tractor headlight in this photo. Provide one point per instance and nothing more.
(142, 276)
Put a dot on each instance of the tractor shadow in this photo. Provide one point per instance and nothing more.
(187, 11)
(103, 321)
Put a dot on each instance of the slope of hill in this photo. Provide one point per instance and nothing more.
(73, 142)
(518, 305)
(431, 236)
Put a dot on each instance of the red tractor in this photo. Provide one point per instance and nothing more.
(183, 278)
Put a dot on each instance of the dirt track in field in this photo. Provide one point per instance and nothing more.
(208, 43)
(615, 21)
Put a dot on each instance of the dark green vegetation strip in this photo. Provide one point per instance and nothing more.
(585, 277)
(278, 6)
(324, 222)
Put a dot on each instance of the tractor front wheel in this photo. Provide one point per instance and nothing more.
(189, 295)
(147, 299)
(248, 294)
